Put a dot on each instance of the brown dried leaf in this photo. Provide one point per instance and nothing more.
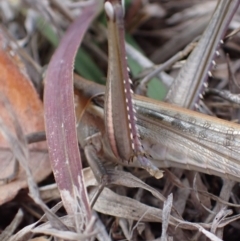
(17, 88)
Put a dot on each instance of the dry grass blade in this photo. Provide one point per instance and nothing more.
(124, 179)
(60, 117)
(219, 217)
(208, 234)
(128, 180)
(7, 232)
(18, 143)
(166, 215)
(21, 153)
(23, 234)
(69, 221)
(119, 206)
(115, 205)
(102, 234)
(64, 235)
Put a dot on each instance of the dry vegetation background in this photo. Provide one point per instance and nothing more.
(131, 209)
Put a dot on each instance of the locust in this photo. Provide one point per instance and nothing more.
(191, 82)
(119, 126)
(138, 131)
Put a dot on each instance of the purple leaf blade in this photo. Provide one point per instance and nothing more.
(60, 119)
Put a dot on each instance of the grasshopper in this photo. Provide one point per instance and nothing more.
(191, 81)
(136, 129)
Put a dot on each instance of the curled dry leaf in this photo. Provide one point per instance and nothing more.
(17, 88)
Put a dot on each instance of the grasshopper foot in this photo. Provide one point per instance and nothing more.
(149, 167)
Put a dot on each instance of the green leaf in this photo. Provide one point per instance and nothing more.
(84, 64)
(156, 89)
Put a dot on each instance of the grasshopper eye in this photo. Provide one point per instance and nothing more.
(109, 10)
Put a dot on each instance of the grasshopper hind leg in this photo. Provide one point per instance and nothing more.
(99, 171)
